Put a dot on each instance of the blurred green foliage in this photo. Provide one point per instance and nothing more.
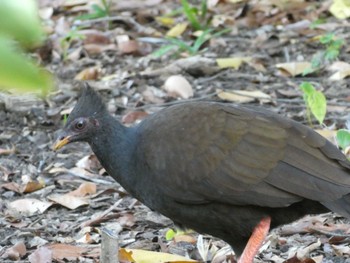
(315, 102)
(343, 138)
(20, 27)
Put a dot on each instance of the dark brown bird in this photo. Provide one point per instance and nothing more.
(217, 168)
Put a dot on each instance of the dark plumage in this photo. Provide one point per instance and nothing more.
(214, 167)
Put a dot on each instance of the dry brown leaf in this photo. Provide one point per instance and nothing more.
(64, 251)
(339, 66)
(79, 171)
(257, 65)
(91, 73)
(92, 36)
(41, 255)
(145, 256)
(295, 259)
(30, 206)
(304, 252)
(134, 116)
(56, 170)
(185, 238)
(153, 95)
(340, 75)
(84, 189)
(243, 96)
(15, 252)
(7, 151)
(294, 68)
(12, 186)
(318, 259)
(135, 4)
(89, 162)
(342, 250)
(69, 201)
(95, 49)
(178, 86)
(128, 47)
(33, 186)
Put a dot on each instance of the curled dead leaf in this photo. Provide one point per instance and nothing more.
(33, 186)
(84, 189)
(15, 252)
(69, 201)
(30, 206)
(134, 116)
(294, 68)
(91, 73)
(42, 254)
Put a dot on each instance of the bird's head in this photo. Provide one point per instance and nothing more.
(84, 121)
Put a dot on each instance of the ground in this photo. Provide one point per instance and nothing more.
(38, 206)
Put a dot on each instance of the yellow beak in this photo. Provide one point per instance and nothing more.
(61, 142)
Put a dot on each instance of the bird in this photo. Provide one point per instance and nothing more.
(230, 171)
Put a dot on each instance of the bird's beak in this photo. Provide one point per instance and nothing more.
(61, 141)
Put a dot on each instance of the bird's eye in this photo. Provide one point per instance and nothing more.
(79, 125)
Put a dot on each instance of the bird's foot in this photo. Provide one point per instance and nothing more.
(255, 241)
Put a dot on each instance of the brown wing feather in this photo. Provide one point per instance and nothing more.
(241, 156)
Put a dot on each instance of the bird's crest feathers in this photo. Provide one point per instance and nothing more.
(89, 104)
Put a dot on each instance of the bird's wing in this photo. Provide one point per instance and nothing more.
(207, 152)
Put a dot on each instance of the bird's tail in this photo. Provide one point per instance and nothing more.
(340, 206)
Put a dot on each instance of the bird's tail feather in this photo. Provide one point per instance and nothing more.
(340, 206)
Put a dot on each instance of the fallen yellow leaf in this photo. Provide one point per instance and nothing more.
(165, 21)
(145, 256)
(340, 9)
(232, 62)
(177, 30)
(294, 68)
(243, 96)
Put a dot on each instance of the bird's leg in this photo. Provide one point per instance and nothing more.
(255, 241)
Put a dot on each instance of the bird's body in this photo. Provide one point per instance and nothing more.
(218, 168)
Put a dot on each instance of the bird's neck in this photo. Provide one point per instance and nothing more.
(113, 147)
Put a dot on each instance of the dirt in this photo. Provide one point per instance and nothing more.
(132, 83)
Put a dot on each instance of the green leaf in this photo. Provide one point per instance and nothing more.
(331, 54)
(307, 88)
(18, 72)
(163, 50)
(315, 101)
(318, 105)
(204, 37)
(65, 118)
(204, 9)
(181, 44)
(170, 234)
(191, 15)
(19, 19)
(317, 22)
(343, 138)
(327, 38)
